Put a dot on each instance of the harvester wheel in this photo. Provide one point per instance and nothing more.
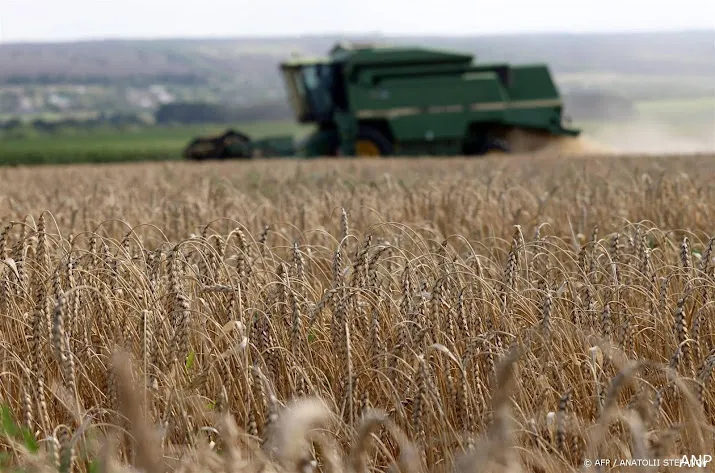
(366, 149)
(371, 143)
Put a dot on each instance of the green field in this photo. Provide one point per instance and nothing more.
(692, 120)
(149, 144)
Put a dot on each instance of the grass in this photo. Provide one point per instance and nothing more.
(680, 119)
(148, 144)
(444, 315)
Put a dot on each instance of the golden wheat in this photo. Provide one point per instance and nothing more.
(518, 315)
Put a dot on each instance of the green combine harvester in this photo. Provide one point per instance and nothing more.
(373, 101)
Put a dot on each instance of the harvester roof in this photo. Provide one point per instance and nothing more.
(358, 55)
(392, 54)
(305, 61)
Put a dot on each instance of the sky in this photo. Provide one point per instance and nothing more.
(68, 20)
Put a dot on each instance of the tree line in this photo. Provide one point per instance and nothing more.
(202, 113)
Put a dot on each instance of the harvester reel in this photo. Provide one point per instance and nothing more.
(219, 147)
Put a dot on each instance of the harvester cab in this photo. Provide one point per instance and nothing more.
(316, 88)
(311, 90)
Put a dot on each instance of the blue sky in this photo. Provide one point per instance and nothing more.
(50, 20)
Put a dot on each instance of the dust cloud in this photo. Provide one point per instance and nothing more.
(641, 137)
(653, 137)
(523, 141)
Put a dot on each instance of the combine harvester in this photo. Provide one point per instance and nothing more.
(373, 101)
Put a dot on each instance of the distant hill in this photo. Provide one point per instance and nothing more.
(208, 60)
(119, 74)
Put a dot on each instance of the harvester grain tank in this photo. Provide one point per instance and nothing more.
(374, 100)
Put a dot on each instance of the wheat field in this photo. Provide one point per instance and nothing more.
(432, 315)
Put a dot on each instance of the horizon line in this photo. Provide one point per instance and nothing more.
(279, 37)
